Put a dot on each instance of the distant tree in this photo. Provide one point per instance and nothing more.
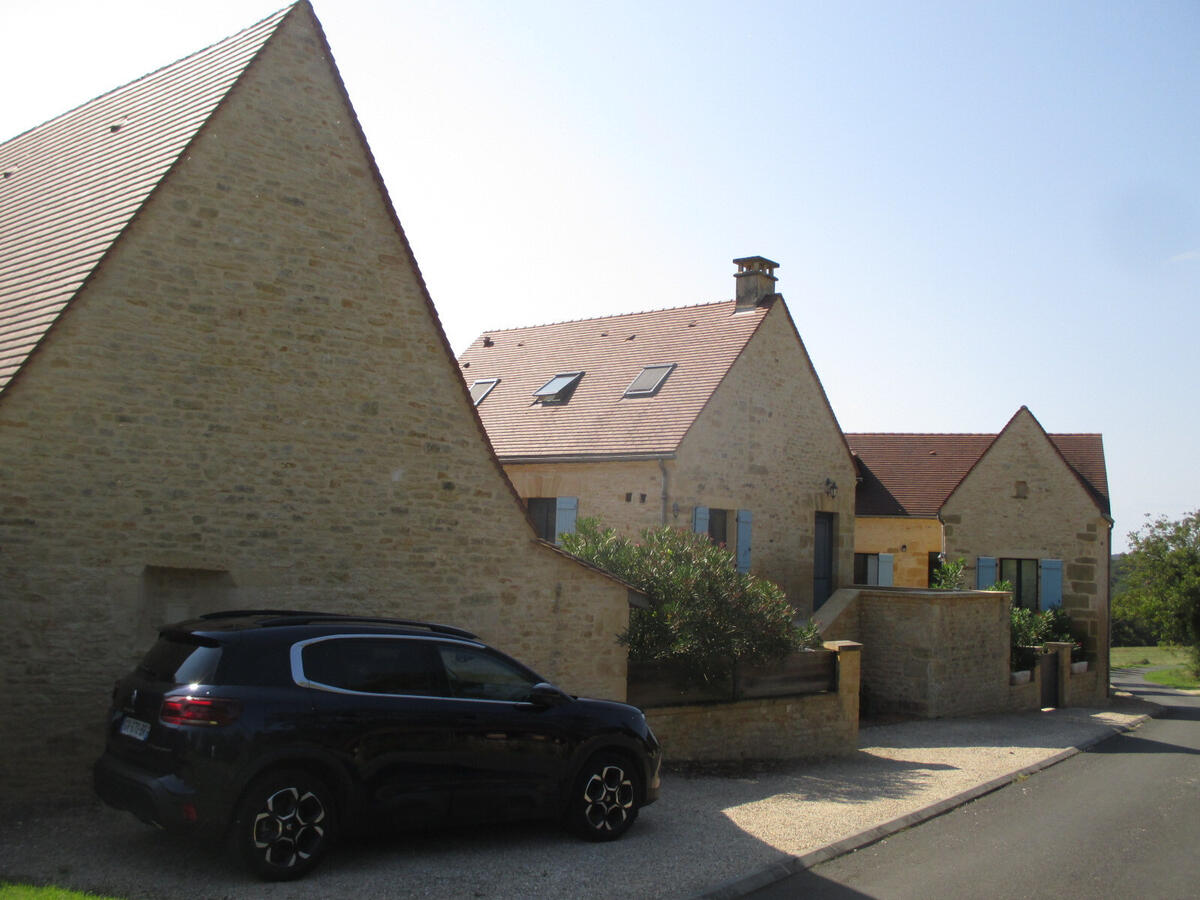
(1161, 580)
(703, 613)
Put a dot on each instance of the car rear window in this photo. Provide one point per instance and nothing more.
(180, 660)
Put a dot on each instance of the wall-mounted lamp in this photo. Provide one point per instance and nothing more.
(831, 487)
(675, 510)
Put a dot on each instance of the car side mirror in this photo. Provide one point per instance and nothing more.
(545, 694)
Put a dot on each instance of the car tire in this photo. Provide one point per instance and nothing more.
(604, 798)
(284, 825)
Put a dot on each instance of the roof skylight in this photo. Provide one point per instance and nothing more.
(481, 388)
(559, 388)
(649, 381)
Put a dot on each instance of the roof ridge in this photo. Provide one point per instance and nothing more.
(611, 316)
(921, 434)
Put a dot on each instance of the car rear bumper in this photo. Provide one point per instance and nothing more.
(163, 800)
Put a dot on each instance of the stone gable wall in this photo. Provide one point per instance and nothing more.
(767, 442)
(251, 405)
(1022, 501)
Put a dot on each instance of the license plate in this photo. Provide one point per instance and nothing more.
(135, 728)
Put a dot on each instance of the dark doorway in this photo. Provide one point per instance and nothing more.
(822, 559)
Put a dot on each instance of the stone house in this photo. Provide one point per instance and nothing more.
(1023, 505)
(223, 384)
(706, 417)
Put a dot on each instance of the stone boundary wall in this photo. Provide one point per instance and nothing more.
(799, 727)
(943, 653)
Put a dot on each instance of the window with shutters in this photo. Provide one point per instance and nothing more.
(873, 568)
(730, 528)
(1037, 584)
(553, 516)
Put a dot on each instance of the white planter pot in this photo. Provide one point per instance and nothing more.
(1078, 667)
(1021, 677)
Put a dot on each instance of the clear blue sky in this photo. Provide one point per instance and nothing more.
(975, 205)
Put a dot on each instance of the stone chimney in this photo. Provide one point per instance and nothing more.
(755, 281)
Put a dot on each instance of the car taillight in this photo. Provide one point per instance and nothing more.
(199, 711)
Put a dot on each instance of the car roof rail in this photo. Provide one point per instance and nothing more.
(277, 617)
(246, 613)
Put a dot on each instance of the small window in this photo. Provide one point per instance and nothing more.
(648, 383)
(552, 516)
(559, 388)
(873, 568)
(482, 388)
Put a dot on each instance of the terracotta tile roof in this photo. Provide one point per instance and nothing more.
(914, 474)
(69, 187)
(598, 420)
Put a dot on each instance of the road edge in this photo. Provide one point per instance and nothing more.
(784, 868)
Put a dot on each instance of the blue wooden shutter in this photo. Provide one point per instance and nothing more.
(1050, 571)
(700, 520)
(985, 572)
(885, 569)
(565, 511)
(743, 539)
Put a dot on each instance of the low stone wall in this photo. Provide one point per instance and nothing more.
(1074, 688)
(798, 727)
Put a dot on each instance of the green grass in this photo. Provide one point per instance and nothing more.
(1124, 657)
(1180, 675)
(26, 892)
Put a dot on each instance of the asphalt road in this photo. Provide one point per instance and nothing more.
(1121, 820)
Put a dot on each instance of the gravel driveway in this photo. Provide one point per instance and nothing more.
(705, 832)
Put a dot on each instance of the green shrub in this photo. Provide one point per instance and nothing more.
(949, 575)
(703, 613)
(1032, 629)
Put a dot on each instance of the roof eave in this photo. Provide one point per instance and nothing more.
(516, 460)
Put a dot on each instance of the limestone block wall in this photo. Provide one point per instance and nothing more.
(799, 727)
(909, 540)
(252, 404)
(935, 653)
(627, 496)
(1022, 502)
(768, 442)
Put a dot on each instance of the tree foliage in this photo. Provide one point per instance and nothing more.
(703, 613)
(1161, 580)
